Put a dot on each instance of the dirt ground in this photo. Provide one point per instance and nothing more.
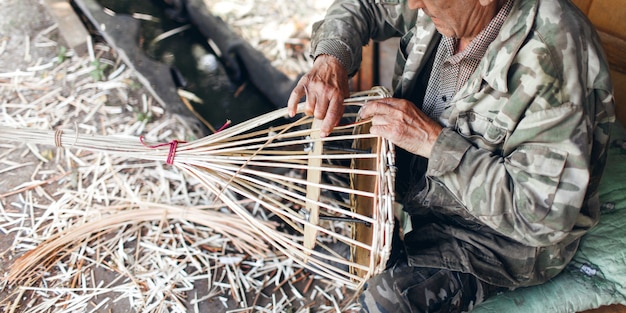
(29, 39)
(21, 21)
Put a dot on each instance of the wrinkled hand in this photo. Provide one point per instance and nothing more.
(325, 88)
(403, 124)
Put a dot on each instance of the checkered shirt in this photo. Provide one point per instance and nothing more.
(451, 71)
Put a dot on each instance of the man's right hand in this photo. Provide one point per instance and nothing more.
(325, 87)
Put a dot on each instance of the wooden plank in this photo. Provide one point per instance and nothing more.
(72, 30)
(364, 205)
(608, 16)
(367, 73)
(313, 176)
(583, 5)
(367, 76)
(609, 309)
(614, 48)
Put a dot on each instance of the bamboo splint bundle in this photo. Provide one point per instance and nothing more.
(249, 161)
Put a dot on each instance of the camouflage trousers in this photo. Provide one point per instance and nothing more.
(403, 288)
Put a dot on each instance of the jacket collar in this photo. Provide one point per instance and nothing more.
(495, 66)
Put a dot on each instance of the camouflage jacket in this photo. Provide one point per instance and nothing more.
(511, 185)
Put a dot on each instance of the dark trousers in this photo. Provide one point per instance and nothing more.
(403, 288)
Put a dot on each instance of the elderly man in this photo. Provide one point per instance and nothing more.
(505, 106)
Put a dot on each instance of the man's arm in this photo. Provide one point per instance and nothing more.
(534, 192)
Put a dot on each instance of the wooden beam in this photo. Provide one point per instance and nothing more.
(72, 30)
(616, 308)
(367, 76)
(368, 68)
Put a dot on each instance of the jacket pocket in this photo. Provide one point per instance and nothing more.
(480, 130)
(537, 171)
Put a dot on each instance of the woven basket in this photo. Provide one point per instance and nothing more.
(325, 194)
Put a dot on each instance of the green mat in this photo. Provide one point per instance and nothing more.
(597, 275)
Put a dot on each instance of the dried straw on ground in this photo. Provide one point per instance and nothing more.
(280, 30)
(166, 264)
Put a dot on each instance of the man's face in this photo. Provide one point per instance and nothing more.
(452, 18)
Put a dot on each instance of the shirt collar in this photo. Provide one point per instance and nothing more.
(478, 46)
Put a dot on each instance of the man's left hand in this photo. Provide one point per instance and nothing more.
(402, 123)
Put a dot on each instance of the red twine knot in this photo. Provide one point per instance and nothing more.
(172, 153)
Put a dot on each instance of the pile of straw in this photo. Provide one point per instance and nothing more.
(126, 233)
(279, 29)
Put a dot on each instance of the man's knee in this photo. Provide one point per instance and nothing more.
(409, 289)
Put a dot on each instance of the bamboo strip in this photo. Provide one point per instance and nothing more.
(226, 225)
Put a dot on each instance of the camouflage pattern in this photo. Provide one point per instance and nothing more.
(412, 289)
(511, 184)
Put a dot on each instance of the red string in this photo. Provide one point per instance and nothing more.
(224, 126)
(172, 153)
